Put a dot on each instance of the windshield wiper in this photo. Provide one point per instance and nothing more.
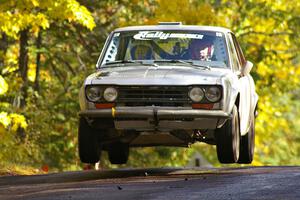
(120, 62)
(186, 62)
(143, 62)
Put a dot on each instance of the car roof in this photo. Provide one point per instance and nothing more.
(174, 27)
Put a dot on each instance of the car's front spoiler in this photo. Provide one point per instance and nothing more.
(154, 112)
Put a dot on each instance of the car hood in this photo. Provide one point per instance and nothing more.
(160, 75)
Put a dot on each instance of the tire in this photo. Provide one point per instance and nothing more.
(228, 139)
(88, 144)
(118, 153)
(247, 145)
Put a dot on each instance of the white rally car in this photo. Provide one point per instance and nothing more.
(168, 85)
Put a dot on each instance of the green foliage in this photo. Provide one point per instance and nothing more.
(269, 38)
(39, 14)
(159, 156)
(50, 114)
(186, 11)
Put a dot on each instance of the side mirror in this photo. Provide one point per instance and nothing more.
(247, 68)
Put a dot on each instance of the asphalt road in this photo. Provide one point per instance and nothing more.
(255, 183)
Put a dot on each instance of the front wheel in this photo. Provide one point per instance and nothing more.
(228, 139)
(248, 144)
(88, 144)
(118, 153)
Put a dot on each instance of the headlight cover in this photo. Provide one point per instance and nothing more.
(110, 94)
(93, 93)
(196, 94)
(213, 94)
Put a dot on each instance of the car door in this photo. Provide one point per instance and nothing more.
(239, 62)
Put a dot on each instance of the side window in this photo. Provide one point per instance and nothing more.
(233, 55)
(111, 51)
(239, 51)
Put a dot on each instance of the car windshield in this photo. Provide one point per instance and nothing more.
(162, 46)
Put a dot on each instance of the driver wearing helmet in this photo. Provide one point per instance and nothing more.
(141, 51)
(201, 49)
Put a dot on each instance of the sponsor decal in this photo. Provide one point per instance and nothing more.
(150, 35)
(219, 34)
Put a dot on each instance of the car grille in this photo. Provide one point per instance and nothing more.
(153, 95)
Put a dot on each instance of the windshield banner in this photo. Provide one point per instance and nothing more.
(149, 35)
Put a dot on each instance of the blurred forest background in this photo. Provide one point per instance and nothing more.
(47, 47)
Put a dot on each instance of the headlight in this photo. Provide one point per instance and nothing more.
(93, 93)
(196, 94)
(110, 94)
(213, 94)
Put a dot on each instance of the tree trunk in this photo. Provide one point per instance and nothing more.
(3, 49)
(38, 62)
(23, 65)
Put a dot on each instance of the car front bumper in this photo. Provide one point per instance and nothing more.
(160, 118)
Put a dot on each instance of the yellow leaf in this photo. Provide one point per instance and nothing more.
(3, 86)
